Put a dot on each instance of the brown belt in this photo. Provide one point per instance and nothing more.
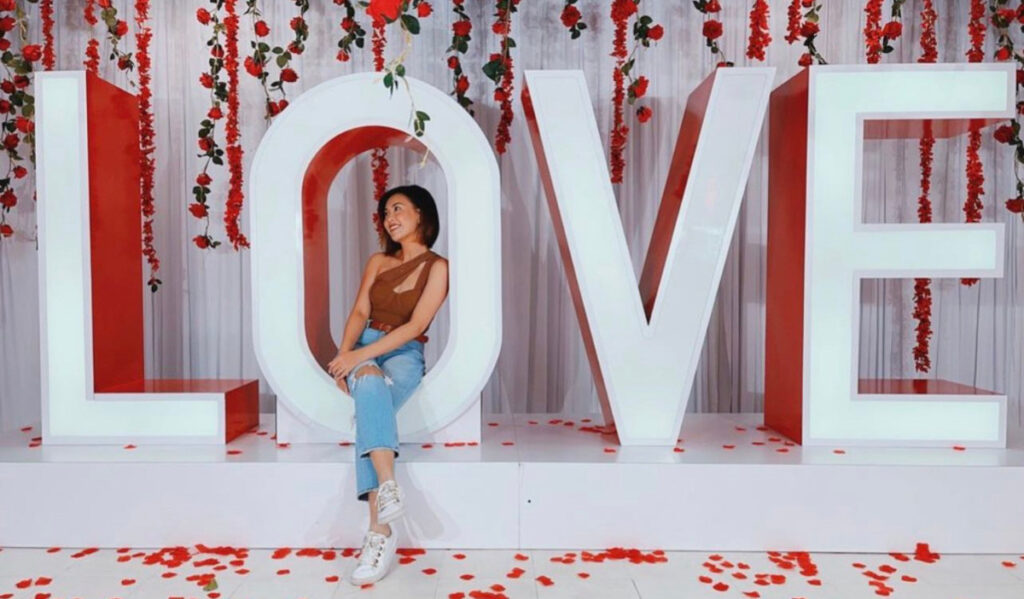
(381, 326)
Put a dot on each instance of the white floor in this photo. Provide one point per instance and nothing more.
(314, 574)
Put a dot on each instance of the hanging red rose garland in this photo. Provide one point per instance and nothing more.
(379, 156)
(258, 63)
(975, 169)
(572, 19)
(876, 36)
(211, 151)
(233, 206)
(644, 32)
(117, 29)
(760, 30)
(354, 34)
(46, 16)
(804, 24)
(712, 29)
(922, 286)
(385, 12)
(1002, 18)
(16, 105)
(461, 29)
(147, 135)
(499, 69)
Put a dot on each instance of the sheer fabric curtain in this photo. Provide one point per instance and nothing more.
(197, 325)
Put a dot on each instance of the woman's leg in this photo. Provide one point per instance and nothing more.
(376, 430)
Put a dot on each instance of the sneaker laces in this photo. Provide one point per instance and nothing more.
(388, 494)
(373, 546)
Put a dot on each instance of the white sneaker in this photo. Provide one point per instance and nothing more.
(376, 557)
(390, 502)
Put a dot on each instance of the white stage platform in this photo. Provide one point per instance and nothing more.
(549, 485)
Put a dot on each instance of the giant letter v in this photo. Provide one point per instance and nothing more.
(643, 353)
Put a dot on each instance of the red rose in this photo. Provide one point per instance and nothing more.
(644, 114)
(462, 27)
(4, 44)
(254, 68)
(892, 29)
(500, 28)
(289, 76)
(342, 56)
(8, 199)
(275, 108)
(1007, 15)
(11, 141)
(5, 106)
(424, 9)
(121, 29)
(7, 23)
(24, 125)
(570, 16)
(32, 53)
(21, 81)
(296, 23)
(206, 80)
(201, 241)
(499, 95)
(384, 11)
(104, 3)
(124, 63)
(623, 9)
(347, 24)
(20, 172)
(805, 59)
(1015, 205)
(655, 32)
(217, 51)
(203, 179)
(282, 104)
(1020, 75)
(6, 230)
(197, 210)
(713, 6)
(712, 29)
(261, 28)
(462, 84)
(1003, 134)
(215, 113)
(203, 16)
(807, 3)
(295, 48)
(205, 144)
(453, 62)
(7, 86)
(808, 29)
(1003, 53)
(7, 5)
(640, 87)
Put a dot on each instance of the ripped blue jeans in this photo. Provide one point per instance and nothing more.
(378, 399)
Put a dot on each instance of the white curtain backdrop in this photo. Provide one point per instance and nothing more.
(198, 324)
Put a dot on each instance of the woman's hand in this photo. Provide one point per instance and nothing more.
(342, 383)
(343, 363)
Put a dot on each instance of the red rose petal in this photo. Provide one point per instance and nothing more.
(721, 586)
(331, 579)
(429, 571)
(521, 557)
(466, 577)
(544, 580)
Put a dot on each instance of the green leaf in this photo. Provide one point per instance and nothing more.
(411, 24)
(282, 60)
(422, 115)
(400, 70)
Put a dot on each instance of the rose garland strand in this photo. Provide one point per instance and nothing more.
(117, 30)
(354, 34)
(383, 12)
(17, 106)
(211, 151)
(233, 206)
(572, 19)
(257, 63)
(804, 24)
(461, 29)
(499, 69)
(760, 30)
(975, 169)
(92, 47)
(644, 32)
(712, 28)
(877, 37)
(378, 156)
(922, 286)
(1002, 18)
(147, 135)
(46, 15)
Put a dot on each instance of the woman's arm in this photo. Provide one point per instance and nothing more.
(361, 309)
(427, 306)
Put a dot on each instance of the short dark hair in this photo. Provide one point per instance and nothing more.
(424, 202)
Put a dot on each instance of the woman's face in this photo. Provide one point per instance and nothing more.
(401, 218)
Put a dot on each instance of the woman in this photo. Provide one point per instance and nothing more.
(380, 361)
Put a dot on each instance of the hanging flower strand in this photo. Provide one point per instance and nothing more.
(147, 134)
(877, 37)
(46, 16)
(92, 47)
(1002, 18)
(379, 165)
(17, 105)
(257, 64)
(975, 169)
(572, 19)
(461, 29)
(354, 35)
(499, 69)
(712, 29)
(805, 25)
(232, 135)
(922, 286)
(211, 151)
(391, 11)
(117, 30)
(760, 30)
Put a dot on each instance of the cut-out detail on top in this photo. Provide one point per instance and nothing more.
(395, 291)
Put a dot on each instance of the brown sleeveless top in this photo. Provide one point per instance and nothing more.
(395, 291)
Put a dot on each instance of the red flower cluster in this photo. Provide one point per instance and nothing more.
(117, 29)
(621, 11)
(258, 64)
(147, 135)
(976, 31)
(499, 69)
(1002, 20)
(712, 29)
(233, 206)
(354, 34)
(384, 11)
(572, 19)
(877, 37)
(975, 169)
(207, 143)
(46, 16)
(460, 45)
(760, 35)
(804, 24)
(378, 158)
